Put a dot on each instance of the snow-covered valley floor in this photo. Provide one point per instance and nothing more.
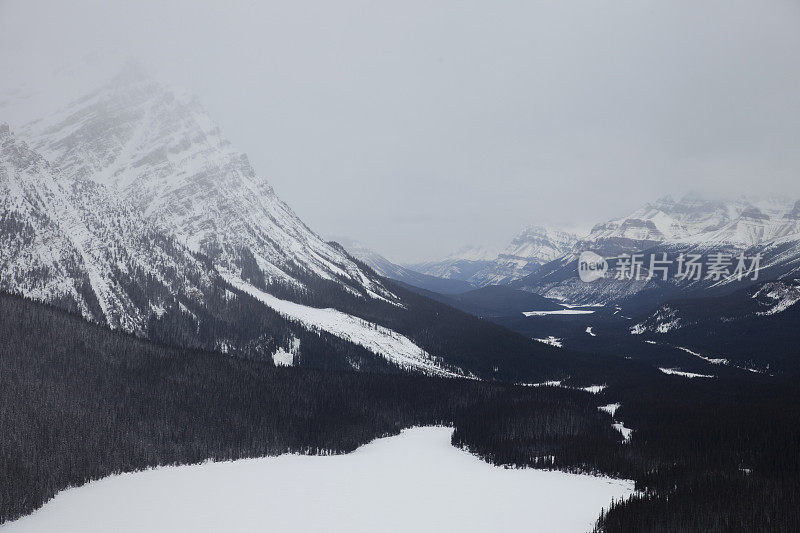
(415, 481)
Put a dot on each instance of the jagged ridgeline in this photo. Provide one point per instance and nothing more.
(768, 228)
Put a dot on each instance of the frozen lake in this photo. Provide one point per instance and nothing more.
(415, 481)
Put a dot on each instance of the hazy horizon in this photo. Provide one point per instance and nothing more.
(416, 129)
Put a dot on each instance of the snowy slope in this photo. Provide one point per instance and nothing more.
(382, 341)
(691, 225)
(463, 264)
(73, 243)
(693, 220)
(481, 266)
(531, 248)
(415, 481)
(158, 157)
(160, 150)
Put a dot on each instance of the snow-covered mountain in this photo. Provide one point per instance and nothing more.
(693, 220)
(481, 266)
(463, 264)
(531, 248)
(388, 269)
(159, 150)
(129, 207)
(74, 243)
(691, 225)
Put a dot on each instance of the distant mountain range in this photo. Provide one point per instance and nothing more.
(530, 249)
(473, 266)
(544, 260)
(693, 220)
(683, 325)
(480, 266)
(391, 270)
(691, 225)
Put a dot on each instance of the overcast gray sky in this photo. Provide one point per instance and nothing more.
(418, 126)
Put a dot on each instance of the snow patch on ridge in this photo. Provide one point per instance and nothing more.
(663, 321)
(382, 341)
(779, 295)
(610, 408)
(676, 372)
(591, 389)
(284, 357)
(558, 312)
(713, 361)
(552, 341)
(626, 432)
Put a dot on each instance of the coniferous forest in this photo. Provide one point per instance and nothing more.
(81, 402)
(540, 236)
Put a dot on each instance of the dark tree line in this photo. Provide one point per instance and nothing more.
(80, 402)
(711, 455)
(706, 455)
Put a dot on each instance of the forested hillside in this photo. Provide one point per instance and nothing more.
(81, 402)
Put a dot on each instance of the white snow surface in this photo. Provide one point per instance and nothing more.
(542, 384)
(552, 341)
(664, 320)
(558, 312)
(619, 426)
(713, 361)
(591, 389)
(382, 341)
(78, 230)
(415, 481)
(159, 150)
(676, 372)
(284, 357)
(626, 432)
(610, 408)
(594, 389)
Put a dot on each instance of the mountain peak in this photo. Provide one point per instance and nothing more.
(159, 150)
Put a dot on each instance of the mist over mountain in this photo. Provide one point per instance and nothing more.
(129, 207)
(388, 269)
(565, 233)
(481, 266)
(695, 226)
